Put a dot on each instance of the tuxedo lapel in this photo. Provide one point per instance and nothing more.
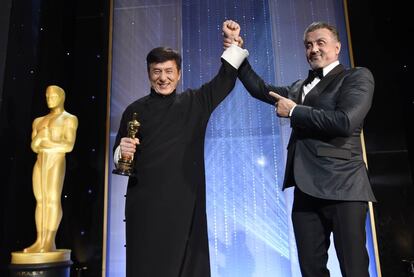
(320, 87)
(298, 99)
(315, 91)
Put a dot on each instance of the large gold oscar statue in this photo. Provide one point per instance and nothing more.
(53, 136)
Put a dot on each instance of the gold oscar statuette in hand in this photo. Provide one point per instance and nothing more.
(125, 165)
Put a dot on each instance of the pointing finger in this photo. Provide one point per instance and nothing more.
(275, 95)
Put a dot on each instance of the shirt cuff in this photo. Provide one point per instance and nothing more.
(117, 154)
(291, 110)
(235, 55)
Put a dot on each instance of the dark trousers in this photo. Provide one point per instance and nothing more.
(315, 219)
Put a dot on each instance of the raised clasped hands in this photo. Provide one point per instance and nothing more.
(231, 34)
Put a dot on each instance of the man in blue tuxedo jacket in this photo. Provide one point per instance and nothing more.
(325, 162)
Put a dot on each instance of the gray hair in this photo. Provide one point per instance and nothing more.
(321, 25)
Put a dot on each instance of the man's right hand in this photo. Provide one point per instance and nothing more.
(128, 147)
(231, 34)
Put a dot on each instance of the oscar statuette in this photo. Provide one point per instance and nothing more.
(53, 135)
(125, 165)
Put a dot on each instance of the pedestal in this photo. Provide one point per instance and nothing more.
(61, 269)
(49, 264)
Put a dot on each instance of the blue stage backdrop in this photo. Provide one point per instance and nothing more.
(249, 225)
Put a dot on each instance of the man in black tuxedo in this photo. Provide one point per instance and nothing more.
(324, 162)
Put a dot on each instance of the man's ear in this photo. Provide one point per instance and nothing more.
(338, 48)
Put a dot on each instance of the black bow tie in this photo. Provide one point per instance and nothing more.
(313, 74)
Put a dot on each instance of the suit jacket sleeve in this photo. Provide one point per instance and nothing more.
(354, 98)
(257, 87)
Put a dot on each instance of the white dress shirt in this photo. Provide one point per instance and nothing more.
(315, 81)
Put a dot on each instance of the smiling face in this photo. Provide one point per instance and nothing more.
(322, 48)
(164, 76)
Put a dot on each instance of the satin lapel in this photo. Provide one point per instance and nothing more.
(292, 138)
(320, 87)
(299, 94)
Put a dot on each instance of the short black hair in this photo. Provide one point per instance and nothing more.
(321, 25)
(163, 54)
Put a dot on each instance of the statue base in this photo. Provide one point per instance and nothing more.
(123, 173)
(60, 269)
(49, 264)
(59, 255)
(124, 167)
